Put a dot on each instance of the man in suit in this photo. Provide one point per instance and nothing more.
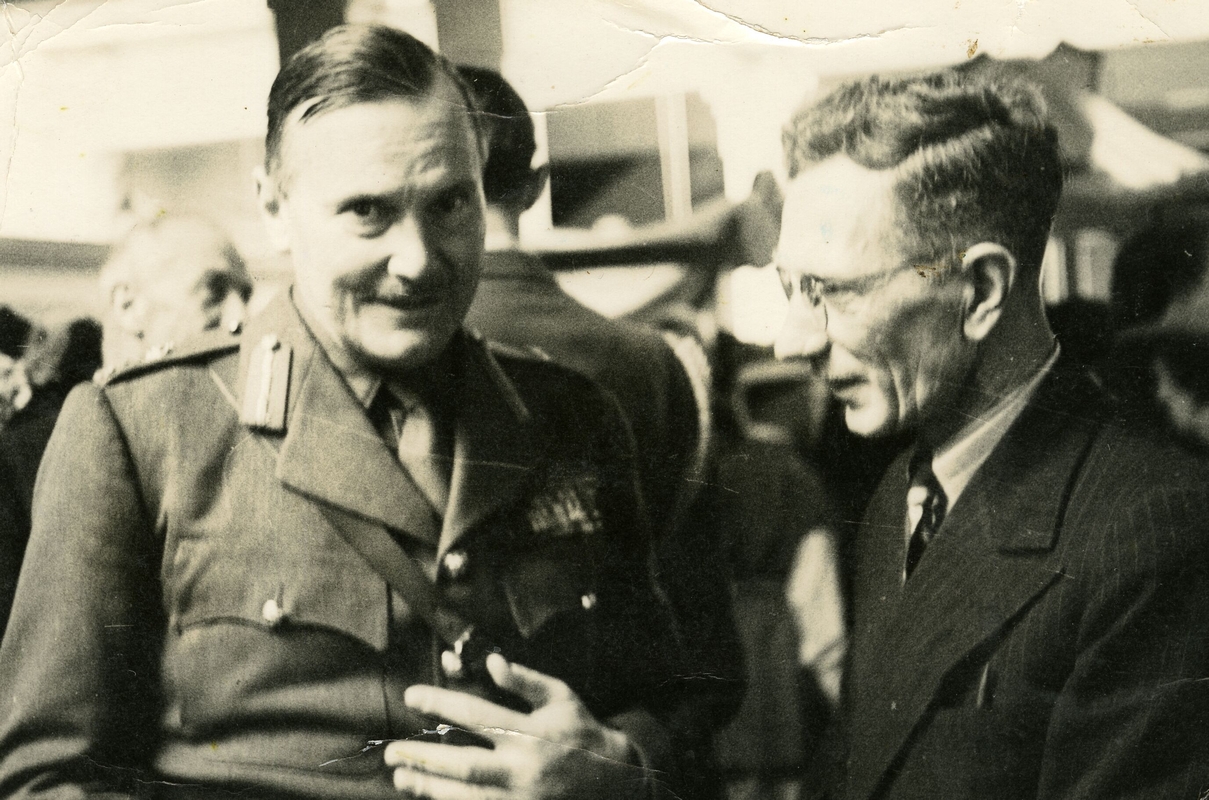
(349, 551)
(1030, 609)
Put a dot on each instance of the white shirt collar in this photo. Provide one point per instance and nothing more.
(955, 464)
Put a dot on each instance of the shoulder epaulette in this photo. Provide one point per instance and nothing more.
(205, 345)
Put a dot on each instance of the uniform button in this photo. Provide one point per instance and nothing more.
(272, 612)
(451, 664)
(588, 601)
(455, 563)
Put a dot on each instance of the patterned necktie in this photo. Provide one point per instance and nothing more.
(405, 420)
(926, 506)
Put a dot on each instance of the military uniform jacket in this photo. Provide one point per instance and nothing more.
(1053, 641)
(189, 614)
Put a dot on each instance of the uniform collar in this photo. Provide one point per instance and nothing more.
(428, 385)
(329, 451)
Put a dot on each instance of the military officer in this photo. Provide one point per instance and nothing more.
(306, 559)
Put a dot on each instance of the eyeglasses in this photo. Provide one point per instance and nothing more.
(820, 293)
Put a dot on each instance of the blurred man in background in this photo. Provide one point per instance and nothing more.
(1031, 582)
(519, 303)
(15, 332)
(166, 281)
(57, 359)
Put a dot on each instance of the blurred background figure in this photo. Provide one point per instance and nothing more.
(166, 281)
(55, 360)
(1159, 310)
(169, 279)
(779, 526)
(15, 331)
(519, 303)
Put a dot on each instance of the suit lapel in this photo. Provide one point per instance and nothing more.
(495, 450)
(994, 553)
(331, 453)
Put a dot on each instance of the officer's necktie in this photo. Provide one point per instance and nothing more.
(926, 506)
(418, 442)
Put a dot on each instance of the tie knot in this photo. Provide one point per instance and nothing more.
(926, 506)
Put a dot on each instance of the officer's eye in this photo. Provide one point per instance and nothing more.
(367, 212)
(453, 202)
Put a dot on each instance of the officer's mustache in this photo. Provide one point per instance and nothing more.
(404, 292)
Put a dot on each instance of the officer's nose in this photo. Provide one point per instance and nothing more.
(802, 335)
(408, 254)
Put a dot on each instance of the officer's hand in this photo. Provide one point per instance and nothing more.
(558, 751)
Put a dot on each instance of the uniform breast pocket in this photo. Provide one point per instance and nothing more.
(298, 634)
(555, 604)
(552, 582)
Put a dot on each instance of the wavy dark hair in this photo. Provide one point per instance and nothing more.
(975, 156)
(356, 64)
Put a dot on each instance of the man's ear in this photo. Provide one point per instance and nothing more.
(128, 312)
(269, 199)
(990, 271)
(535, 186)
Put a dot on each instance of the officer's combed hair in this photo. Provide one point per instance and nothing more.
(354, 64)
(976, 158)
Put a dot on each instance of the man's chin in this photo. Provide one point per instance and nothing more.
(868, 421)
(399, 351)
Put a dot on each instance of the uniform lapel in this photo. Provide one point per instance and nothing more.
(495, 452)
(331, 453)
(994, 553)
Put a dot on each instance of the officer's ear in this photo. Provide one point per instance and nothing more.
(534, 186)
(990, 272)
(270, 198)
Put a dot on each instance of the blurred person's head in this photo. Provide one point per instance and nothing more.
(67, 352)
(911, 243)
(511, 184)
(373, 183)
(166, 281)
(15, 331)
(1159, 365)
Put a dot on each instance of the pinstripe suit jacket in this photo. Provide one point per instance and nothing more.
(1054, 640)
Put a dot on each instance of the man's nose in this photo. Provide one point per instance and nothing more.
(408, 254)
(801, 336)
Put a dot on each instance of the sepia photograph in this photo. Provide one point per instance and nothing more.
(604, 400)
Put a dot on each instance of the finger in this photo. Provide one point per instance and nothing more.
(465, 710)
(436, 787)
(468, 764)
(538, 688)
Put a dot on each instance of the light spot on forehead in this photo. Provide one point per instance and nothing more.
(838, 220)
